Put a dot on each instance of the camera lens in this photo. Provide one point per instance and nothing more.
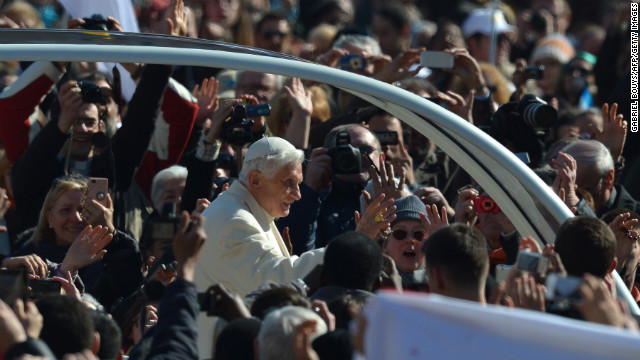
(539, 116)
(239, 111)
(347, 163)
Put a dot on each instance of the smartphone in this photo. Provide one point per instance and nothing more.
(387, 137)
(98, 190)
(353, 62)
(207, 300)
(534, 72)
(42, 287)
(532, 262)
(563, 288)
(436, 59)
(501, 272)
(13, 285)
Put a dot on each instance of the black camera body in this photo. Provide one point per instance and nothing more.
(91, 93)
(164, 228)
(97, 22)
(534, 71)
(345, 158)
(237, 130)
(522, 126)
(207, 300)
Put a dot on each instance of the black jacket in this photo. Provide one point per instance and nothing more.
(116, 276)
(34, 172)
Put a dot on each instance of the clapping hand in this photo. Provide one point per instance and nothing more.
(565, 183)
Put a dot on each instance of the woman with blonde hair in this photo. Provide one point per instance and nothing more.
(75, 235)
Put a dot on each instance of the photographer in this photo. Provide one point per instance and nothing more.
(331, 195)
(54, 150)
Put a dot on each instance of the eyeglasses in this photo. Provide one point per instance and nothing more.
(402, 234)
(366, 149)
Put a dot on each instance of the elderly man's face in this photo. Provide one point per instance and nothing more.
(172, 191)
(277, 194)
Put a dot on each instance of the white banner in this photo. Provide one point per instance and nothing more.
(420, 326)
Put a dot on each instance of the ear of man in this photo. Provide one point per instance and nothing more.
(255, 180)
(609, 178)
(96, 343)
(438, 280)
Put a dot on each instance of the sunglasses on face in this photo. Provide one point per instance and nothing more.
(484, 203)
(402, 234)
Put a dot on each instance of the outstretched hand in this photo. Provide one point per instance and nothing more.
(207, 97)
(86, 249)
(432, 220)
(177, 20)
(398, 68)
(377, 217)
(386, 182)
(299, 98)
(614, 130)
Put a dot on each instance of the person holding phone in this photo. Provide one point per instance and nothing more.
(76, 234)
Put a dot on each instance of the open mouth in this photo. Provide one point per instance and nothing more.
(410, 254)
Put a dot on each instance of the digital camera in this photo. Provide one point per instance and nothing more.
(97, 22)
(345, 159)
(91, 93)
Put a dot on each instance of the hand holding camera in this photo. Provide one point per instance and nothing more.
(465, 210)
(187, 244)
(70, 99)
(319, 170)
(218, 301)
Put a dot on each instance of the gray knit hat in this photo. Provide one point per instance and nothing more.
(408, 208)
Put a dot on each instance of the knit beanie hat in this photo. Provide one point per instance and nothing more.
(408, 208)
(555, 47)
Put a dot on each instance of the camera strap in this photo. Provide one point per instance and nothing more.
(67, 158)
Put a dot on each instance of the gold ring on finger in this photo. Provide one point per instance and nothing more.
(379, 218)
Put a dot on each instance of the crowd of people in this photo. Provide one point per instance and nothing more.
(231, 214)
